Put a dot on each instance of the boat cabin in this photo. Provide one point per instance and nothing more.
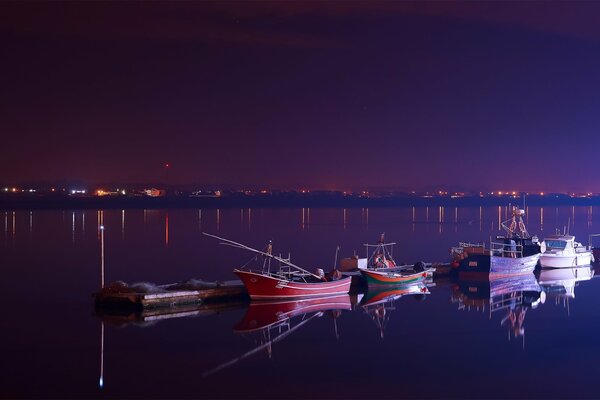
(560, 243)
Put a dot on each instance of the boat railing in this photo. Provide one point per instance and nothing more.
(465, 245)
(511, 250)
(469, 244)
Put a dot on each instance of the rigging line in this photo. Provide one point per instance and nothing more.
(261, 252)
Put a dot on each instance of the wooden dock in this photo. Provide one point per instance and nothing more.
(145, 295)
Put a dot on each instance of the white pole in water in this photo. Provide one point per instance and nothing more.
(102, 255)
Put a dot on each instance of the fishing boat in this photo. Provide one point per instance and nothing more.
(515, 253)
(286, 280)
(562, 251)
(379, 267)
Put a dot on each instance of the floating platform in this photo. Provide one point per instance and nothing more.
(148, 295)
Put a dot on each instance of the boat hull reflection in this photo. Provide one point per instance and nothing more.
(561, 282)
(270, 322)
(378, 303)
(512, 296)
(264, 314)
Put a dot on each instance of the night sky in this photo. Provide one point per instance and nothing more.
(470, 96)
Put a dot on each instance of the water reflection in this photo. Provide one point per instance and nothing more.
(167, 229)
(511, 297)
(271, 322)
(141, 255)
(146, 317)
(560, 283)
(378, 303)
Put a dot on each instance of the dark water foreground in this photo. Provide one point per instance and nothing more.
(531, 338)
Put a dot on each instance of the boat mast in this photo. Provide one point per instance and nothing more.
(380, 247)
(517, 226)
(266, 254)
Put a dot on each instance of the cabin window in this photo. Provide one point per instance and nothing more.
(556, 244)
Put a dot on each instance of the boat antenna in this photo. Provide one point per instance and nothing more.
(266, 254)
(337, 249)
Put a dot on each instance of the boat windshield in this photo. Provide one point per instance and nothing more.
(556, 244)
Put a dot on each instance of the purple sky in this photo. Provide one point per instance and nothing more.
(477, 95)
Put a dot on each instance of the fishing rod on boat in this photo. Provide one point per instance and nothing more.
(231, 243)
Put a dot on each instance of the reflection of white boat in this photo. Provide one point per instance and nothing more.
(562, 251)
(562, 282)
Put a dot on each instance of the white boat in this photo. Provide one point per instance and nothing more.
(562, 251)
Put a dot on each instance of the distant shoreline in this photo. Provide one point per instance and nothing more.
(9, 202)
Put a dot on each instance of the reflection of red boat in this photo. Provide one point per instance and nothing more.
(264, 314)
(272, 321)
(288, 281)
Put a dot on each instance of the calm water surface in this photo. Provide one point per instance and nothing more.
(446, 344)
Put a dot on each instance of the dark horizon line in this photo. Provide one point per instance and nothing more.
(67, 185)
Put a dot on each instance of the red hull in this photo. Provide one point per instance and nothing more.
(266, 313)
(263, 287)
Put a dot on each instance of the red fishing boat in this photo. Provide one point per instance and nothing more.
(287, 281)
